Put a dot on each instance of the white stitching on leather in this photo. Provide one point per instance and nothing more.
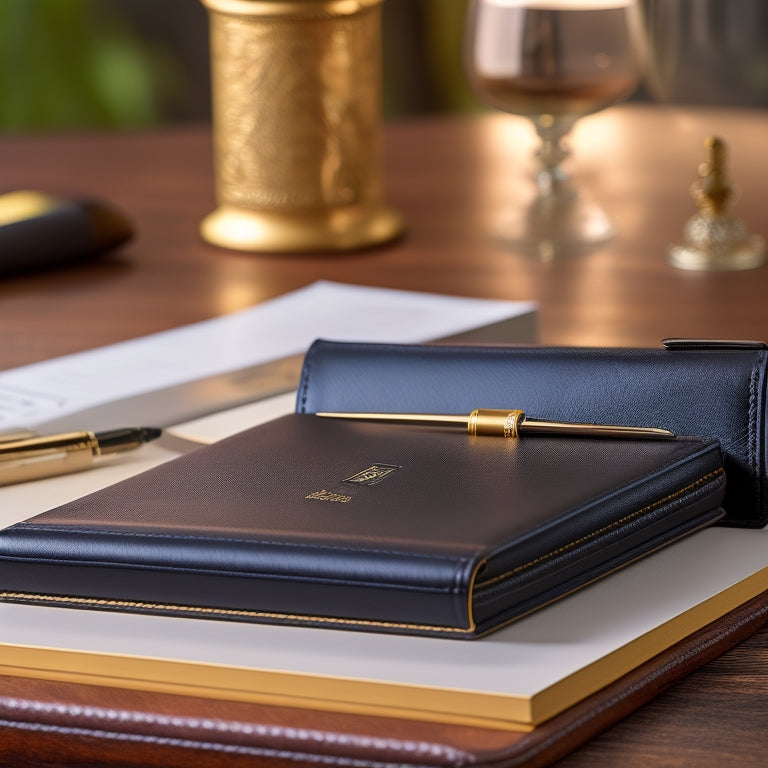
(222, 727)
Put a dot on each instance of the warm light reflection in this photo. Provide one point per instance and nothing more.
(233, 291)
(507, 145)
(610, 164)
(598, 137)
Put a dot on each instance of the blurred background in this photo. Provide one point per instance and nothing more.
(90, 64)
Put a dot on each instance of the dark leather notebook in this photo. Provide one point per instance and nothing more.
(320, 522)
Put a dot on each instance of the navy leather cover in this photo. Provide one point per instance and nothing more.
(460, 536)
(713, 389)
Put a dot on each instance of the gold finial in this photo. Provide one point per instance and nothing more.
(713, 193)
(713, 238)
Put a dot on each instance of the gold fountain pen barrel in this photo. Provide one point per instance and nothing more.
(495, 422)
(38, 457)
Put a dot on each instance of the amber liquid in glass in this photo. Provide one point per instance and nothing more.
(531, 96)
(535, 61)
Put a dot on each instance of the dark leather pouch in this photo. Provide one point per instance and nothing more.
(715, 389)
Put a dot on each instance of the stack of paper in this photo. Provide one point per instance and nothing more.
(173, 376)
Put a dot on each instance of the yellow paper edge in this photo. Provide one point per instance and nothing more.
(338, 694)
(592, 677)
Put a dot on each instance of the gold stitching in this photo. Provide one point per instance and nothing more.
(594, 534)
(170, 607)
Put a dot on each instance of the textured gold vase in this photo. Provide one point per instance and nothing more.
(297, 125)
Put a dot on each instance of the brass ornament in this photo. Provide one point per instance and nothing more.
(714, 239)
(296, 88)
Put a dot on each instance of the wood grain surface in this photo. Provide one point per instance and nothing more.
(450, 178)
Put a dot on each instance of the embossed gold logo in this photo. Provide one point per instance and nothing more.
(374, 474)
(329, 496)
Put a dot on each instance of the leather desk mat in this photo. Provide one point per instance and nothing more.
(70, 724)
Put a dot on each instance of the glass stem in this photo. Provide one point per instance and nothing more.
(551, 179)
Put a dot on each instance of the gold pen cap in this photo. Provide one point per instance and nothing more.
(495, 422)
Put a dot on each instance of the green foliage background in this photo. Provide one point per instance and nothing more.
(74, 64)
(80, 64)
(84, 64)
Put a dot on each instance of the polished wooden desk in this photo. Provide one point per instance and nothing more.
(449, 177)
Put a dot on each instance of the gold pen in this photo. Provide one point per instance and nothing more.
(505, 423)
(33, 458)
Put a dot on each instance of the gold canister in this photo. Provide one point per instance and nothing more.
(296, 88)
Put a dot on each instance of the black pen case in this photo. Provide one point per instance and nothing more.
(382, 528)
(715, 389)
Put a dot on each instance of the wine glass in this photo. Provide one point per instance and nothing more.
(553, 61)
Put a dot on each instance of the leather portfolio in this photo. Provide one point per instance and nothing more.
(692, 387)
(322, 522)
(71, 724)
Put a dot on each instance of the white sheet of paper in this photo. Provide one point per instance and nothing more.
(35, 394)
